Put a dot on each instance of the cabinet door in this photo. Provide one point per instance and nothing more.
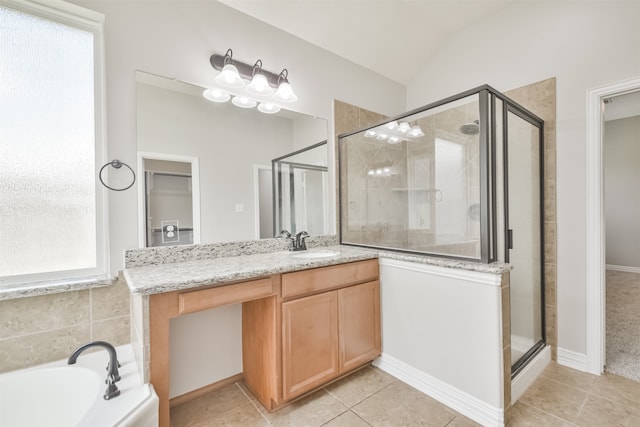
(359, 320)
(309, 343)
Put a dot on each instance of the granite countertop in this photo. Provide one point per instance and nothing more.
(156, 279)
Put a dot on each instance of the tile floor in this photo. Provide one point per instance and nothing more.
(370, 397)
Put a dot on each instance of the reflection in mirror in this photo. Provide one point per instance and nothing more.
(233, 147)
(301, 187)
(168, 193)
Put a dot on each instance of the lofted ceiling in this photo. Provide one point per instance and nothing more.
(394, 38)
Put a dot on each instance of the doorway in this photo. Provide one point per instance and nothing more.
(595, 235)
(621, 162)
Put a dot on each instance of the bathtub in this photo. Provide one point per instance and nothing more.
(61, 395)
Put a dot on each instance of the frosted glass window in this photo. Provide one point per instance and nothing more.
(47, 149)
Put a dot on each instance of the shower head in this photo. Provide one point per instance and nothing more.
(472, 128)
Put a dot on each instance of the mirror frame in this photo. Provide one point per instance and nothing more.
(195, 191)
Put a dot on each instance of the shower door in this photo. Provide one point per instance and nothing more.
(301, 191)
(524, 237)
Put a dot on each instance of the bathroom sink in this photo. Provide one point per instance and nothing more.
(315, 254)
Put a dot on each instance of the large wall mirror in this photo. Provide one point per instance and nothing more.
(206, 168)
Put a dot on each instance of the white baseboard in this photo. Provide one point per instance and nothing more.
(623, 268)
(529, 374)
(572, 359)
(457, 400)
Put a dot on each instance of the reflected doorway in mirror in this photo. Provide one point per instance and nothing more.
(168, 200)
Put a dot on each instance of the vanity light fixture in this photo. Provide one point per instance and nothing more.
(394, 132)
(264, 89)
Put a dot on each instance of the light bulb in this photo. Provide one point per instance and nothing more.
(229, 77)
(404, 127)
(243, 102)
(259, 85)
(381, 136)
(370, 133)
(268, 108)
(394, 140)
(285, 93)
(392, 125)
(416, 132)
(216, 95)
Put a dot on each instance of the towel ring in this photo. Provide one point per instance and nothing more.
(117, 164)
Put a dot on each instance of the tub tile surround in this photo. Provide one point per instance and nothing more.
(45, 328)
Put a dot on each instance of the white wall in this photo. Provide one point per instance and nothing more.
(176, 39)
(583, 44)
(622, 191)
(442, 332)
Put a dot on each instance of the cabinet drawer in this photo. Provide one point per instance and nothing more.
(190, 302)
(315, 280)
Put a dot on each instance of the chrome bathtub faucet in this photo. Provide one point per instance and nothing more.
(113, 375)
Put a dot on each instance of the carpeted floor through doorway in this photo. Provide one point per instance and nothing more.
(623, 324)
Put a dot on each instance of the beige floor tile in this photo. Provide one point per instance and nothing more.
(312, 411)
(582, 380)
(523, 415)
(617, 389)
(246, 416)
(554, 397)
(401, 405)
(360, 385)
(208, 407)
(598, 412)
(348, 419)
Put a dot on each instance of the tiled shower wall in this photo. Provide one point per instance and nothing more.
(40, 329)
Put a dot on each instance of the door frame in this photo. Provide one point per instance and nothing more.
(595, 232)
(195, 190)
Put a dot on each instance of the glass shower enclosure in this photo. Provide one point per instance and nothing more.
(459, 178)
(301, 191)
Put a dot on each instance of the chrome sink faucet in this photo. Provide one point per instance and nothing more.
(112, 368)
(297, 242)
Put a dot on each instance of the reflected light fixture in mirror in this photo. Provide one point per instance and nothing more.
(263, 87)
(394, 132)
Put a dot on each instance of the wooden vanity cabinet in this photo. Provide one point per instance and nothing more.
(300, 330)
(358, 325)
(328, 333)
(309, 343)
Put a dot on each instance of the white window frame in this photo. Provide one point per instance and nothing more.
(84, 19)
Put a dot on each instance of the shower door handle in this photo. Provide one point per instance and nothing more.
(510, 239)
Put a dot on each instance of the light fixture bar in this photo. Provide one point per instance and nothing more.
(245, 70)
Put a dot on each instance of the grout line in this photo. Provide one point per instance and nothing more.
(253, 403)
(548, 413)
